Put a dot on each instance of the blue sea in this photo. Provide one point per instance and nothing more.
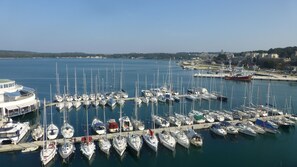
(263, 150)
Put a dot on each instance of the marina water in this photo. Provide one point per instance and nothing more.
(239, 150)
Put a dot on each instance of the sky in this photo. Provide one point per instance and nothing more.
(147, 26)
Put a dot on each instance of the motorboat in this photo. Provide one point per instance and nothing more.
(98, 126)
(229, 128)
(167, 140)
(126, 123)
(181, 138)
(194, 137)
(217, 129)
(160, 121)
(217, 116)
(111, 102)
(30, 149)
(245, 129)
(113, 126)
(135, 142)
(197, 116)
(12, 132)
(208, 118)
(151, 140)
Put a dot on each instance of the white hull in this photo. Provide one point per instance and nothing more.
(48, 154)
(66, 150)
(88, 149)
(167, 140)
(135, 142)
(104, 145)
(120, 144)
(52, 132)
(151, 141)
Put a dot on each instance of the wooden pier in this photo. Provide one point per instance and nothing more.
(21, 146)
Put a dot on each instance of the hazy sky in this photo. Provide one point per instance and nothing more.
(123, 26)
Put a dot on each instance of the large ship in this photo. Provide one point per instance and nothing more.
(16, 100)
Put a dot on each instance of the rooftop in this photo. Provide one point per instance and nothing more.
(5, 80)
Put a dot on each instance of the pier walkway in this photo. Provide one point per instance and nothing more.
(21, 146)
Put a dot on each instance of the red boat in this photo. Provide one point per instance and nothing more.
(239, 77)
(113, 126)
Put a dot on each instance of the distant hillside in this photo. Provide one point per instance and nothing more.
(282, 52)
(26, 54)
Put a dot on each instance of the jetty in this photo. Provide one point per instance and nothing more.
(24, 145)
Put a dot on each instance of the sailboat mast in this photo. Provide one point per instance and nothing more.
(75, 82)
(44, 124)
(67, 81)
(51, 99)
(85, 82)
(121, 120)
(57, 80)
(268, 94)
(91, 81)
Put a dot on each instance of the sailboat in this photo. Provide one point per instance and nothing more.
(119, 142)
(37, 132)
(181, 138)
(149, 137)
(67, 130)
(66, 149)
(52, 130)
(85, 97)
(135, 142)
(104, 143)
(167, 140)
(49, 147)
(137, 124)
(58, 96)
(87, 146)
(76, 97)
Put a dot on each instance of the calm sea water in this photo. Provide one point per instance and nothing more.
(263, 150)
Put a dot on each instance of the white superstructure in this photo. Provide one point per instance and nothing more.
(16, 100)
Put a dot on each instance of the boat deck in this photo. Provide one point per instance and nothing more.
(21, 146)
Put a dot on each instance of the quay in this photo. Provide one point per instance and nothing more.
(255, 77)
(21, 146)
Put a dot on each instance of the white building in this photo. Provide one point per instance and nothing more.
(273, 56)
(16, 100)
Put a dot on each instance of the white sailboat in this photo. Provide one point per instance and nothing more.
(76, 97)
(135, 142)
(104, 143)
(49, 147)
(217, 129)
(149, 137)
(67, 130)
(119, 142)
(181, 138)
(137, 124)
(52, 130)
(167, 140)
(37, 132)
(97, 125)
(87, 146)
(66, 149)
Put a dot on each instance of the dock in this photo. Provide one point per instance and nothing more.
(21, 146)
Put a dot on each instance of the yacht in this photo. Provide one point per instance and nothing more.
(135, 142)
(217, 129)
(16, 100)
(197, 116)
(12, 132)
(119, 143)
(66, 149)
(98, 126)
(229, 128)
(194, 137)
(151, 140)
(181, 138)
(209, 118)
(126, 123)
(167, 140)
(245, 129)
(160, 121)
